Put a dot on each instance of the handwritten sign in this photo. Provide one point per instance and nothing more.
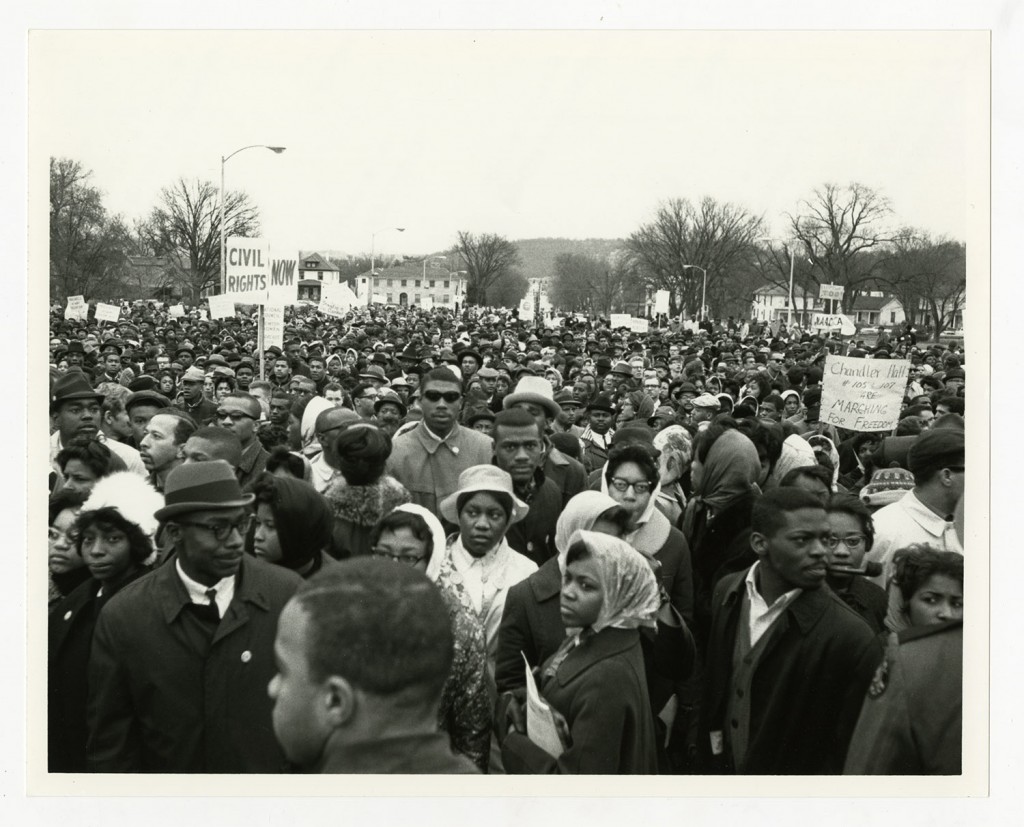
(336, 299)
(620, 320)
(835, 321)
(863, 394)
(427, 303)
(222, 306)
(661, 301)
(176, 311)
(77, 308)
(283, 287)
(107, 312)
(831, 292)
(526, 310)
(639, 325)
(273, 326)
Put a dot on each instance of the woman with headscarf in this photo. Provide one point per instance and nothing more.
(293, 524)
(594, 683)
(531, 624)
(412, 536)
(724, 473)
(362, 493)
(114, 537)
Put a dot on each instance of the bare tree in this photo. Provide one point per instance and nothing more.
(508, 290)
(87, 247)
(928, 276)
(485, 258)
(586, 283)
(841, 230)
(683, 240)
(185, 226)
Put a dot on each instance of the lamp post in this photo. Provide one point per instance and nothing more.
(277, 150)
(704, 289)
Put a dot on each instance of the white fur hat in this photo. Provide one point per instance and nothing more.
(131, 495)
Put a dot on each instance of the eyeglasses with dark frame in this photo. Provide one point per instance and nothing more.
(622, 486)
(398, 558)
(221, 531)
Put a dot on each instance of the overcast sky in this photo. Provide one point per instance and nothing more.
(524, 134)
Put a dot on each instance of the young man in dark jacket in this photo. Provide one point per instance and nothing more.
(788, 661)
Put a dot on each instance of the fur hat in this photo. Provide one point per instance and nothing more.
(131, 495)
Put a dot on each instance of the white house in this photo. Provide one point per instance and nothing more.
(772, 302)
(411, 282)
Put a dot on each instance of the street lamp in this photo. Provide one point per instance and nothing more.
(704, 290)
(277, 150)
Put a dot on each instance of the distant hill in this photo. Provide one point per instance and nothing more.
(538, 254)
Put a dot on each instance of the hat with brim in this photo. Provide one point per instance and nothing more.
(601, 402)
(71, 387)
(193, 374)
(537, 390)
(483, 478)
(201, 486)
(622, 369)
(389, 398)
(478, 416)
(664, 412)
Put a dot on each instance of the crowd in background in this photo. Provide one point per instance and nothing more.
(359, 550)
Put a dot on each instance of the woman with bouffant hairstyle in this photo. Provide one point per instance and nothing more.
(363, 493)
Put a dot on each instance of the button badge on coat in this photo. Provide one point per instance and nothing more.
(246, 656)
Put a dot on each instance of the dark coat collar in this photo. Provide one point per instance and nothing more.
(603, 645)
(250, 584)
(546, 582)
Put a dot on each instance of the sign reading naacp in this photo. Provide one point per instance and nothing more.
(835, 321)
(831, 292)
(863, 394)
(107, 312)
(77, 308)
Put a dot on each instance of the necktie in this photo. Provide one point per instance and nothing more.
(212, 595)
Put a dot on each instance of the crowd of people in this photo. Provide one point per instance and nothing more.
(410, 541)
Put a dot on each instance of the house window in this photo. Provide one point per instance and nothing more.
(391, 282)
(417, 298)
(892, 317)
(319, 276)
(311, 265)
(445, 298)
(432, 282)
(418, 282)
(446, 284)
(404, 282)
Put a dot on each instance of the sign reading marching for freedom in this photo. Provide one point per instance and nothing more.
(863, 394)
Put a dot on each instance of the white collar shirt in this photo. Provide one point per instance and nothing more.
(762, 616)
(197, 591)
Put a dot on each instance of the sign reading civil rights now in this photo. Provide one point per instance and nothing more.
(253, 277)
(863, 394)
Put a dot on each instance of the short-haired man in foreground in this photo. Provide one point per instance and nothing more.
(337, 710)
(788, 662)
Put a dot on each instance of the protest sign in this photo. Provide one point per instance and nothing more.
(620, 320)
(247, 268)
(77, 308)
(863, 394)
(831, 292)
(336, 299)
(427, 303)
(526, 310)
(283, 285)
(273, 326)
(639, 325)
(661, 301)
(107, 312)
(833, 321)
(222, 306)
(176, 311)
(540, 721)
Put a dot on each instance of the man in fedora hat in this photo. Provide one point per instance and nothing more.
(597, 435)
(75, 413)
(192, 401)
(182, 657)
(535, 395)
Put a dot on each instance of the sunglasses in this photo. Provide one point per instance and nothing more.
(451, 397)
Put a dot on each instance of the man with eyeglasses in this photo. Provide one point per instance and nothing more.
(182, 657)
(428, 459)
(239, 413)
(364, 397)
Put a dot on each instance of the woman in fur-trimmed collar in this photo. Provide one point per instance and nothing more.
(363, 493)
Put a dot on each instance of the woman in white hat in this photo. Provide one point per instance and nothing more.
(114, 536)
(478, 563)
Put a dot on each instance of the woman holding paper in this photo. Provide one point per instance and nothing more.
(594, 684)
